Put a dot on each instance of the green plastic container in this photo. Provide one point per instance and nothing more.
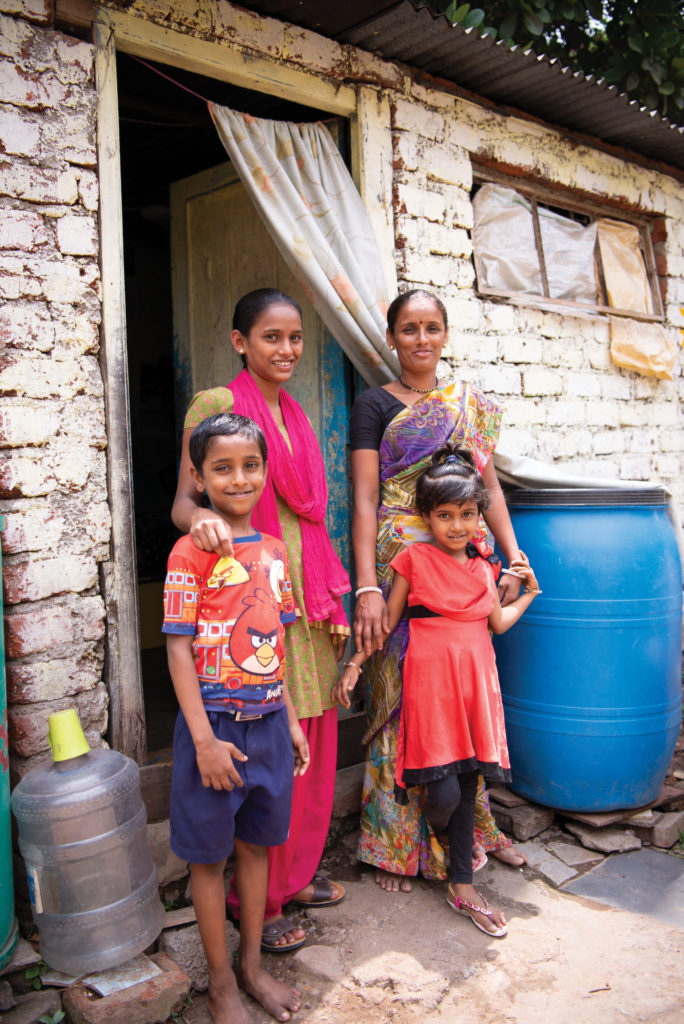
(8, 922)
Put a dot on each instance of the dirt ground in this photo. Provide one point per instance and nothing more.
(407, 958)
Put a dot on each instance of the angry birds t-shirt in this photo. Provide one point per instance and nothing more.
(236, 610)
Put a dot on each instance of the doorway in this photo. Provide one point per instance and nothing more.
(172, 164)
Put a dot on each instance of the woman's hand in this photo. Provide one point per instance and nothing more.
(300, 747)
(339, 645)
(509, 588)
(209, 532)
(371, 623)
(344, 686)
(522, 565)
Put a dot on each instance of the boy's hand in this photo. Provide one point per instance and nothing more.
(215, 762)
(344, 686)
(522, 565)
(300, 747)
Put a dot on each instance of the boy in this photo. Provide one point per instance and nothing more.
(236, 729)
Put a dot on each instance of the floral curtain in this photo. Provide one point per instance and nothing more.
(305, 195)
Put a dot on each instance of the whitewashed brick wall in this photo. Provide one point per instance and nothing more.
(52, 437)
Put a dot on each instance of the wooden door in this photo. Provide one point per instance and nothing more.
(220, 249)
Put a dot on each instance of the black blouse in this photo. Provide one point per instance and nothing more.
(373, 410)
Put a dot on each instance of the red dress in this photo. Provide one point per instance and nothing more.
(451, 714)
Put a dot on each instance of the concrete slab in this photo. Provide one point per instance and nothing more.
(645, 882)
(575, 856)
(540, 860)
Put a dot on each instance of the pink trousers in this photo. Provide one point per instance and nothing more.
(292, 865)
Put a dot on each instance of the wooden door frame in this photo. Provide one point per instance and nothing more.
(369, 115)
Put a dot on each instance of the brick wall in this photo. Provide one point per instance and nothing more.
(52, 462)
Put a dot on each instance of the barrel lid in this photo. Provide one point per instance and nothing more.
(595, 497)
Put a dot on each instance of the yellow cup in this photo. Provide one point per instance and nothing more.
(66, 736)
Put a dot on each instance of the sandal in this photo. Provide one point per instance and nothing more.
(480, 861)
(322, 894)
(271, 932)
(462, 906)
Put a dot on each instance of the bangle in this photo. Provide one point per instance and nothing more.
(533, 592)
(368, 590)
(352, 664)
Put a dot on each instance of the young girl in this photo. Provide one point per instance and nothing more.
(452, 724)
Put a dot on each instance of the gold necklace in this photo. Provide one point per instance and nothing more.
(421, 391)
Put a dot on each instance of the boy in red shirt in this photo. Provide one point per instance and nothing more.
(237, 742)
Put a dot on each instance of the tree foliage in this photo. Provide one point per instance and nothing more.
(636, 45)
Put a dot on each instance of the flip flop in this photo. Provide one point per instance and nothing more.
(271, 932)
(322, 894)
(462, 906)
(480, 862)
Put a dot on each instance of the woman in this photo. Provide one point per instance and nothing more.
(267, 333)
(395, 429)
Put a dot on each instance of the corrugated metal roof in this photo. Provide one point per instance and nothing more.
(505, 75)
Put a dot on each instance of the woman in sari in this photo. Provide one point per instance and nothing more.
(394, 431)
(267, 334)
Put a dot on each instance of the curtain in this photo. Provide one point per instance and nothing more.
(305, 195)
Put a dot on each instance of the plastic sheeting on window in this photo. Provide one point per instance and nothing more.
(645, 348)
(623, 266)
(506, 251)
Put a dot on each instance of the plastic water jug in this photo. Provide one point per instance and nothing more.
(92, 884)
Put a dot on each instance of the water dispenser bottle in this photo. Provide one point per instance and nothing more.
(92, 883)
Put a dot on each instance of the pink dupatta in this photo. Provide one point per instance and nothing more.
(299, 478)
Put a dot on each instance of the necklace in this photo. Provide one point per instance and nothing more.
(421, 391)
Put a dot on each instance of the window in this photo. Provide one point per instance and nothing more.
(533, 247)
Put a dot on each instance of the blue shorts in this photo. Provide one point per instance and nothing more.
(205, 821)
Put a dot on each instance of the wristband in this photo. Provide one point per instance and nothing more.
(352, 664)
(367, 590)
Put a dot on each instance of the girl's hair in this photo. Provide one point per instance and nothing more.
(452, 477)
(396, 306)
(224, 424)
(250, 307)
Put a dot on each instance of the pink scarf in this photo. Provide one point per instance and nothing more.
(299, 478)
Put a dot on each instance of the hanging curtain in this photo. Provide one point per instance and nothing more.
(305, 195)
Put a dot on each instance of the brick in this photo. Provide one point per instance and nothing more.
(32, 530)
(38, 184)
(405, 152)
(35, 90)
(635, 467)
(420, 202)
(477, 348)
(77, 236)
(34, 580)
(39, 11)
(19, 133)
(51, 627)
(27, 424)
(615, 386)
(26, 325)
(608, 442)
(524, 822)
(75, 60)
(520, 349)
(431, 271)
(28, 725)
(79, 332)
(445, 241)
(146, 1003)
(417, 119)
(541, 382)
(89, 190)
(16, 38)
(444, 165)
(499, 316)
(39, 681)
(501, 380)
(584, 385)
(524, 412)
(21, 229)
(44, 377)
(566, 414)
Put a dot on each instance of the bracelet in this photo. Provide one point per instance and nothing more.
(533, 592)
(368, 590)
(352, 664)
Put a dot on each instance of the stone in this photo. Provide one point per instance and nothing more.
(150, 1002)
(666, 832)
(606, 840)
(597, 820)
(523, 822)
(323, 962)
(574, 856)
(24, 956)
(552, 868)
(670, 798)
(506, 797)
(348, 786)
(170, 868)
(183, 946)
(7, 1000)
(33, 1006)
(404, 979)
(644, 819)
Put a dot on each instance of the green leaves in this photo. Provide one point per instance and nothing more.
(636, 45)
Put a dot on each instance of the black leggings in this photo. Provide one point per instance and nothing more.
(450, 809)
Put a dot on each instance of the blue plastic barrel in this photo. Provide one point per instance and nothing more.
(591, 675)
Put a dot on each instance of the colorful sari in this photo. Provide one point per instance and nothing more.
(398, 838)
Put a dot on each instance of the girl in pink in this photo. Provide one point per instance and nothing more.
(452, 724)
